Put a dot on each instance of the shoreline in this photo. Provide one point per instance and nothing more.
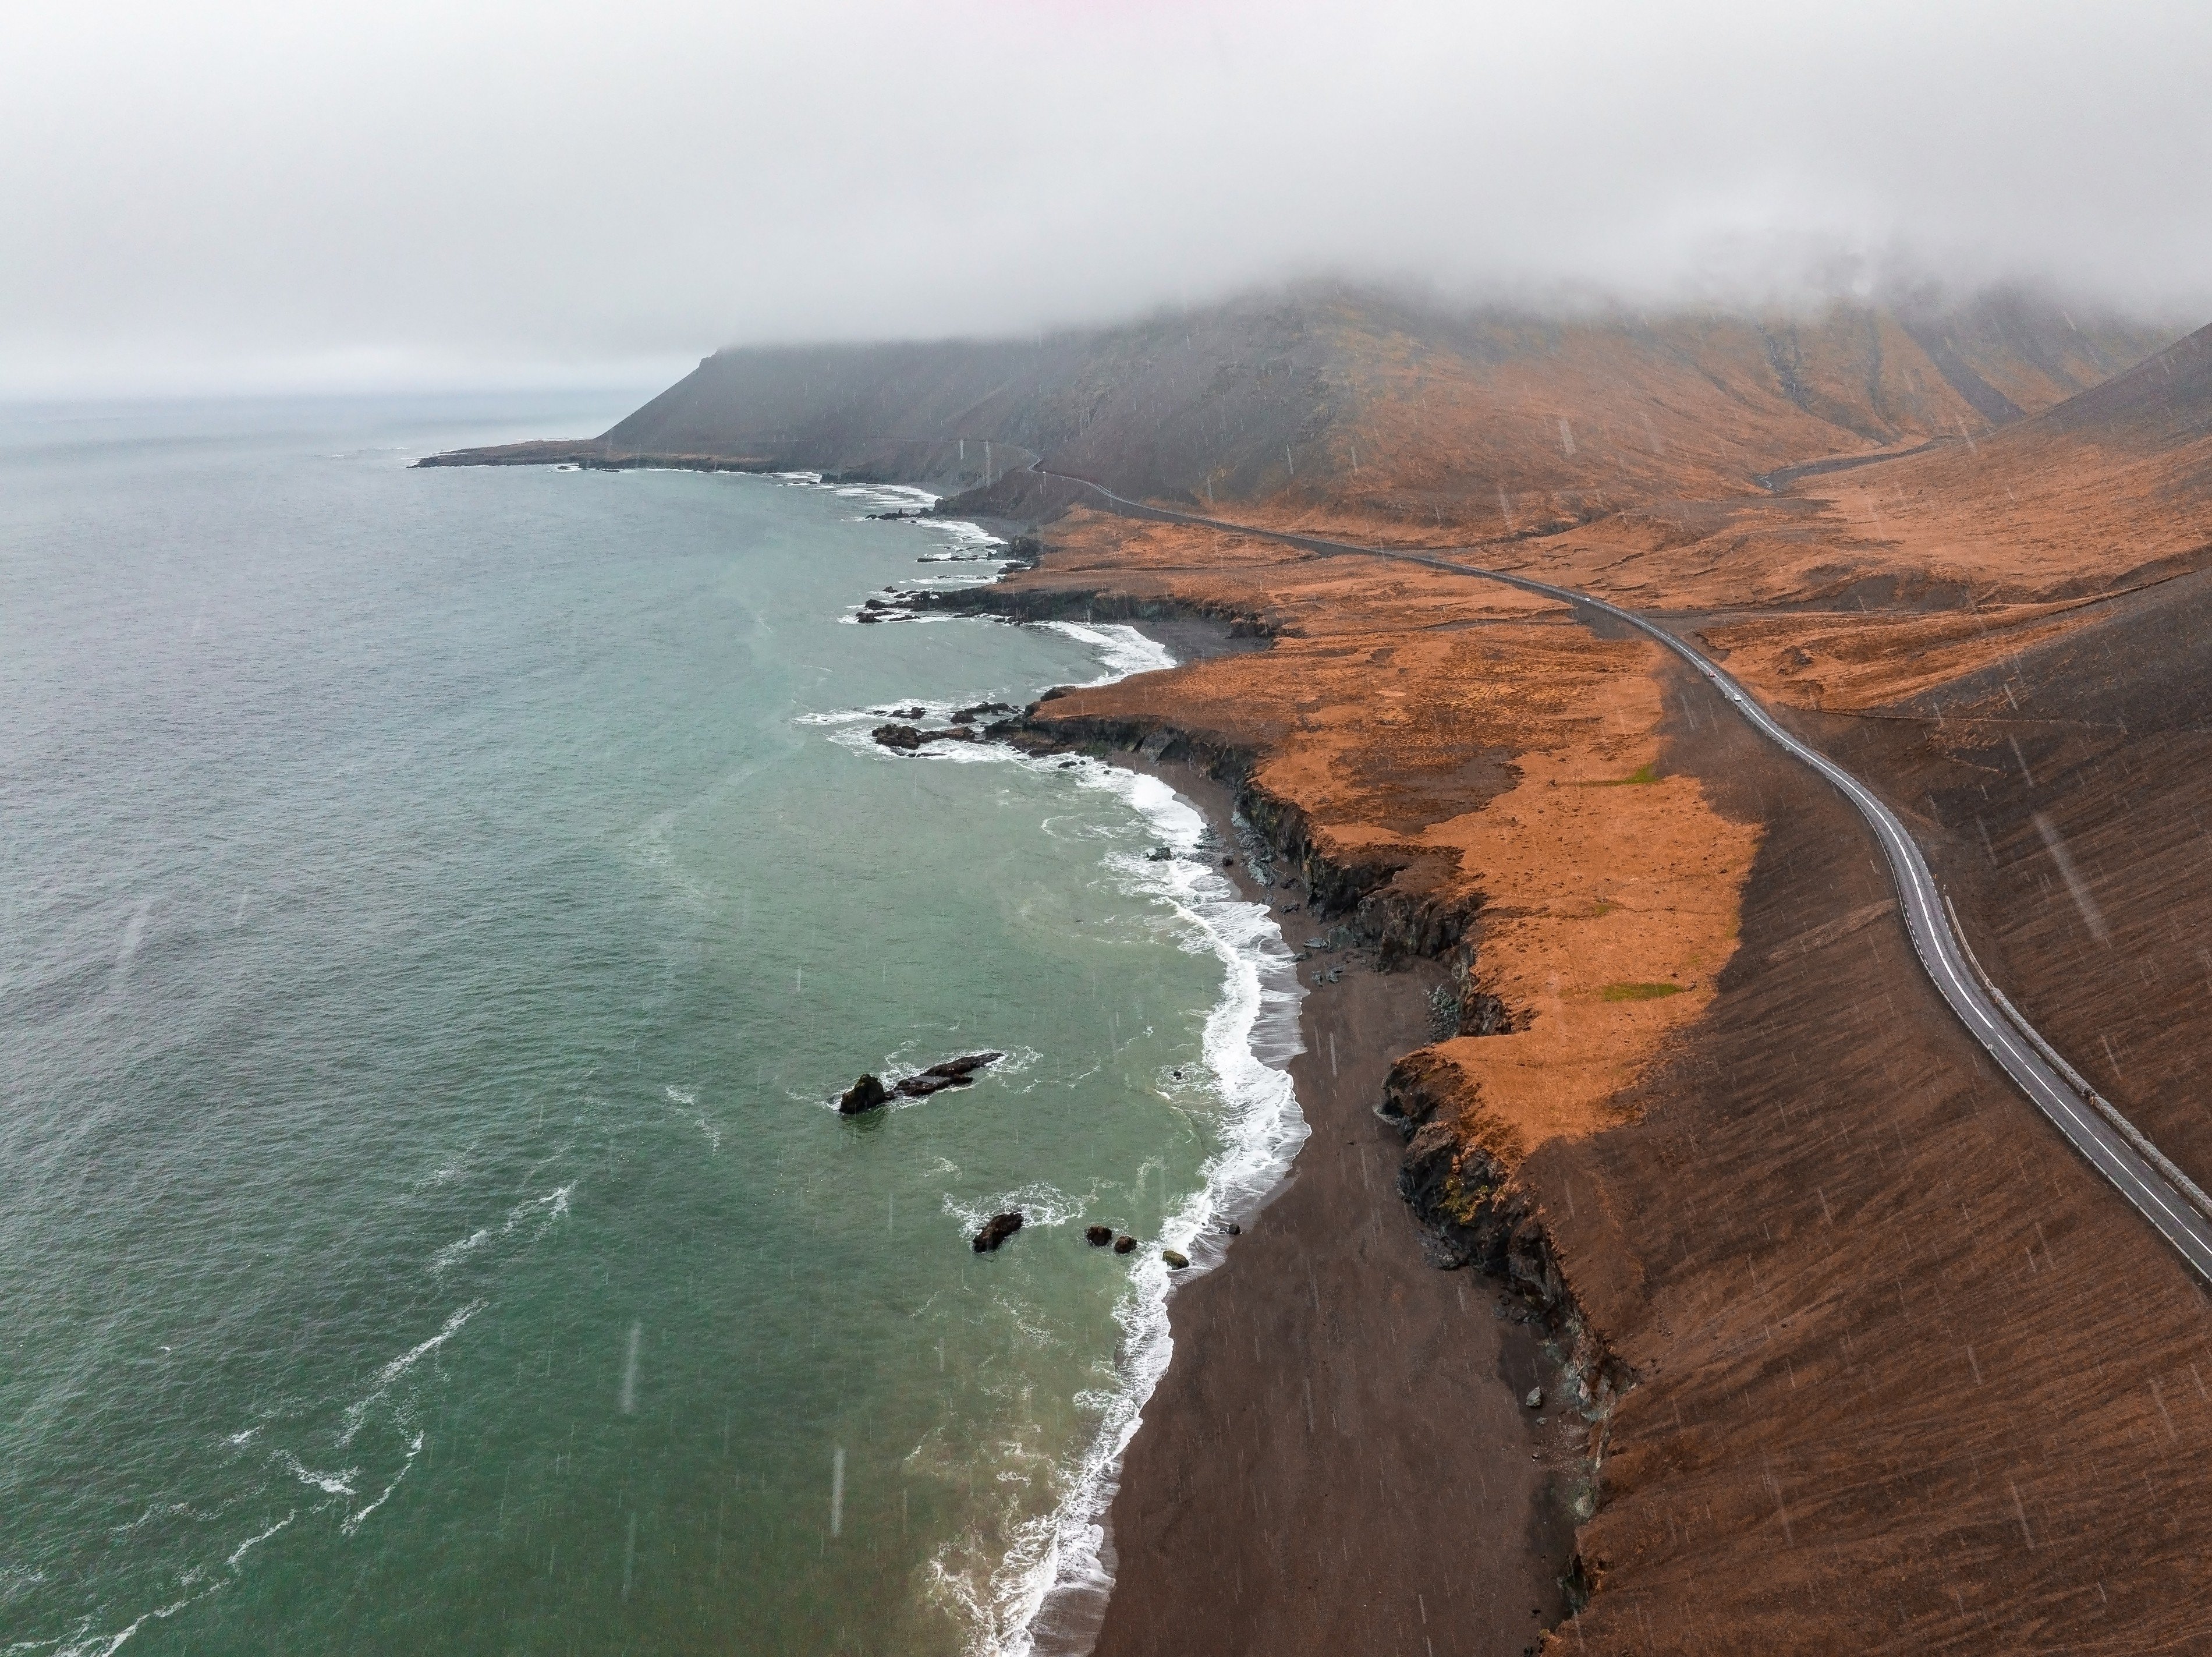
(1433, 1502)
(1430, 1504)
(1048, 1594)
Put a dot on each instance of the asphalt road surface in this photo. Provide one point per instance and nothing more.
(2113, 1146)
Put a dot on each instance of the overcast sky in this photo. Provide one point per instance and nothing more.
(226, 193)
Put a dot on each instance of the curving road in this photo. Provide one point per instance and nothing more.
(2113, 1146)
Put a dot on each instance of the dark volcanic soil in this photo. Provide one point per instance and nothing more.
(1336, 1460)
(2089, 757)
(1912, 1377)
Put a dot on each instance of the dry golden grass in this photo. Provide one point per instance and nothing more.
(1423, 715)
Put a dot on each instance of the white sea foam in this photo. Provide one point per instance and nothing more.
(357, 1412)
(1039, 1204)
(887, 497)
(897, 1067)
(107, 1645)
(453, 1253)
(354, 1520)
(1122, 650)
(1048, 1592)
(689, 1102)
(546, 1209)
(328, 1484)
(254, 1542)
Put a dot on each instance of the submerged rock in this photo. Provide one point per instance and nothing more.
(996, 1230)
(1097, 1236)
(1124, 1244)
(868, 1093)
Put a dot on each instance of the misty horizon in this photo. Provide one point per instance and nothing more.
(249, 199)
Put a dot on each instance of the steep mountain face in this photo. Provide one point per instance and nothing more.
(2163, 401)
(2114, 484)
(1353, 404)
(2011, 356)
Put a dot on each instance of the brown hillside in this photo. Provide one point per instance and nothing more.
(1335, 405)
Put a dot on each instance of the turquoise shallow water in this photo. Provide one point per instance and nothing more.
(437, 908)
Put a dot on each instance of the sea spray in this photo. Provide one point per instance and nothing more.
(1047, 1592)
(1050, 1593)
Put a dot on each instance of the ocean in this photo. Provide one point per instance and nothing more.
(441, 908)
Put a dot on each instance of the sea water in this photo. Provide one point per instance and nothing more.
(438, 910)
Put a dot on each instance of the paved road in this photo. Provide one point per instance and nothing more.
(2141, 1173)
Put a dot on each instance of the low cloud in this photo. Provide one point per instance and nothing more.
(235, 194)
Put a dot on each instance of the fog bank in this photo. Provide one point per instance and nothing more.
(478, 192)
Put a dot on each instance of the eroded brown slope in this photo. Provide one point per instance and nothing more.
(1862, 582)
(1911, 1377)
(2064, 790)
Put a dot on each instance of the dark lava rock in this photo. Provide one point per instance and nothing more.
(1097, 1236)
(1158, 854)
(1232, 1228)
(868, 1093)
(953, 1073)
(909, 712)
(969, 715)
(904, 738)
(996, 1230)
(1228, 862)
(1124, 1244)
(1177, 1262)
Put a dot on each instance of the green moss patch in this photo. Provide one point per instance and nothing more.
(1639, 991)
(1637, 778)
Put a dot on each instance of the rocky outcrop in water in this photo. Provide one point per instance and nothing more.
(951, 1073)
(996, 1230)
(869, 1093)
(866, 1094)
(906, 739)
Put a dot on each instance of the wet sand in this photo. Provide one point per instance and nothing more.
(1337, 1459)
